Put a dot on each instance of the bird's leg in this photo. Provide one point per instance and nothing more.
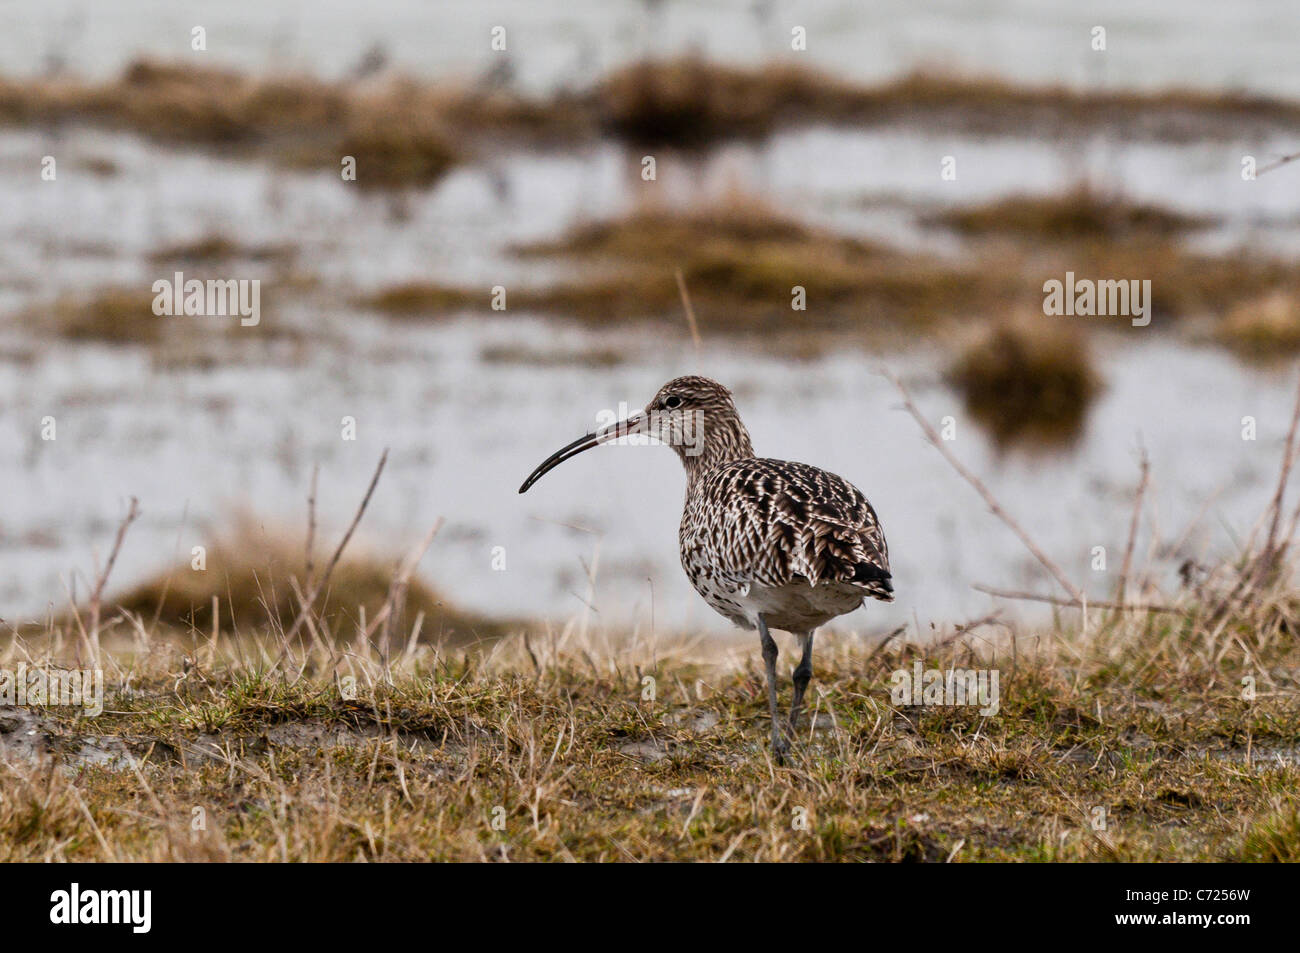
(802, 676)
(779, 745)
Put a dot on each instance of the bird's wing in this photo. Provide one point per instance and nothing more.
(791, 521)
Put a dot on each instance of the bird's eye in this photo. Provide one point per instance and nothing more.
(672, 401)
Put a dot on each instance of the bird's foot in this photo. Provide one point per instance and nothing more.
(780, 747)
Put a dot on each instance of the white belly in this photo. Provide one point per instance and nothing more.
(795, 607)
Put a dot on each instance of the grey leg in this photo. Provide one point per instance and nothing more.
(802, 676)
(779, 746)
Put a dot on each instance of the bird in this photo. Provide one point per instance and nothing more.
(769, 544)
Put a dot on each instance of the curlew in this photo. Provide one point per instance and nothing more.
(769, 544)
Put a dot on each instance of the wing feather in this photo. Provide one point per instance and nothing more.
(781, 522)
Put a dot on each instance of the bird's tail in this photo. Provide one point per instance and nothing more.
(875, 581)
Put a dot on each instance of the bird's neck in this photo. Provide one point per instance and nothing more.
(726, 440)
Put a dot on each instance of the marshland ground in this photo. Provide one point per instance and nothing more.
(518, 722)
(1153, 736)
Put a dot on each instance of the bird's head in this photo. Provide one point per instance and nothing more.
(695, 416)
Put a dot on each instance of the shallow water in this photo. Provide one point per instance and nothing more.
(84, 230)
(196, 447)
(1160, 43)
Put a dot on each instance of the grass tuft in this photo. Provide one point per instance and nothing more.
(250, 578)
(1027, 380)
(1080, 213)
(1264, 328)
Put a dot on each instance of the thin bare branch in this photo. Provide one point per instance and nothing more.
(314, 592)
(310, 567)
(397, 590)
(997, 509)
(1127, 565)
(1275, 507)
(690, 312)
(1074, 603)
(1277, 163)
(96, 596)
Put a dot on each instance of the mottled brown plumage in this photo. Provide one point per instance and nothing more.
(767, 543)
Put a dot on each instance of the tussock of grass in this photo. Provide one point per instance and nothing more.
(1264, 328)
(251, 580)
(1027, 380)
(741, 261)
(396, 139)
(1079, 213)
(393, 154)
(420, 298)
(412, 129)
(116, 316)
(124, 317)
(215, 248)
(737, 220)
(1273, 838)
(689, 101)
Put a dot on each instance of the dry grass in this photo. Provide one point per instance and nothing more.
(741, 261)
(1274, 837)
(124, 317)
(1265, 328)
(418, 298)
(215, 248)
(689, 101)
(396, 140)
(1131, 736)
(1080, 213)
(249, 581)
(390, 154)
(117, 316)
(1028, 380)
(554, 742)
(412, 131)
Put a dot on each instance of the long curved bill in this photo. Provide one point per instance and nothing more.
(631, 425)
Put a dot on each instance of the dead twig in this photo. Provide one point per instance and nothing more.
(1127, 565)
(1255, 571)
(933, 436)
(965, 629)
(690, 312)
(1277, 163)
(1075, 603)
(310, 567)
(1271, 550)
(314, 592)
(96, 596)
(397, 591)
